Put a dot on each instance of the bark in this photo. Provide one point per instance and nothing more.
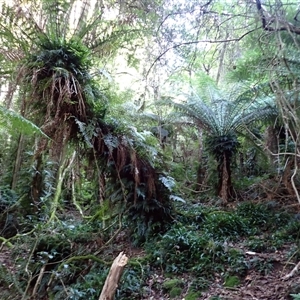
(201, 170)
(272, 144)
(10, 93)
(65, 166)
(37, 181)
(113, 278)
(287, 174)
(225, 190)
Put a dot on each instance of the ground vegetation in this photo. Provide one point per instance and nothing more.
(165, 131)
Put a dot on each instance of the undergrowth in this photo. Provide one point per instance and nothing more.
(70, 258)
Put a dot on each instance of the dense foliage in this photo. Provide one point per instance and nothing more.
(164, 130)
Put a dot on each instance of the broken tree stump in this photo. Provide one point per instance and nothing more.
(113, 277)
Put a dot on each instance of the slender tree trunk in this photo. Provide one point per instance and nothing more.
(9, 95)
(242, 163)
(17, 162)
(201, 170)
(65, 165)
(287, 174)
(272, 145)
(222, 58)
(37, 181)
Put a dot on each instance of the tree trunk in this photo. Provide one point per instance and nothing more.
(225, 190)
(222, 57)
(272, 145)
(17, 162)
(201, 170)
(113, 278)
(287, 174)
(37, 181)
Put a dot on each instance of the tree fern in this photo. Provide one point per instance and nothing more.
(223, 115)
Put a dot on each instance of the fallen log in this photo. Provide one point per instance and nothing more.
(293, 272)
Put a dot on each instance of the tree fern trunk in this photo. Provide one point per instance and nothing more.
(225, 189)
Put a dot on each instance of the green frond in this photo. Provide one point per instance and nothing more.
(201, 113)
(15, 123)
(227, 111)
(17, 31)
(266, 113)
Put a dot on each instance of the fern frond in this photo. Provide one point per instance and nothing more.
(200, 112)
(221, 113)
(15, 123)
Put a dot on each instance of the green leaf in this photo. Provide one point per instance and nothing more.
(167, 181)
(177, 198)
(15, 123)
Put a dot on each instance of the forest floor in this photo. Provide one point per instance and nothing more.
(269, 285)
(260, 286)
(278, 278)
(265, 283)
(255, 286)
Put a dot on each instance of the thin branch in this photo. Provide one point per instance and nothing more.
(267, 21)
(197, 42)
(292, 273)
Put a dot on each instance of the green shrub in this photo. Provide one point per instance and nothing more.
(268, 244)
(171, 283)
(175, 291)
(223, 225)
(8, 198)
(199, 283)
(148, 218)
(89, 286)
(235, 262)
(263, 266)
(184, 249)
(192, 295)
(86, 287)
(193, 215)
(290, 232)
(131, 284)
(262, 216)
(181, 248)
(231, 281)
(173, 287)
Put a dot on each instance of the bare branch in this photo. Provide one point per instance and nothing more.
(197, 42)
(268, 21)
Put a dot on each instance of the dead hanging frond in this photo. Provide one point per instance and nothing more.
(135, 174)
(58, 103)
(55, 81)
(122, 157)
